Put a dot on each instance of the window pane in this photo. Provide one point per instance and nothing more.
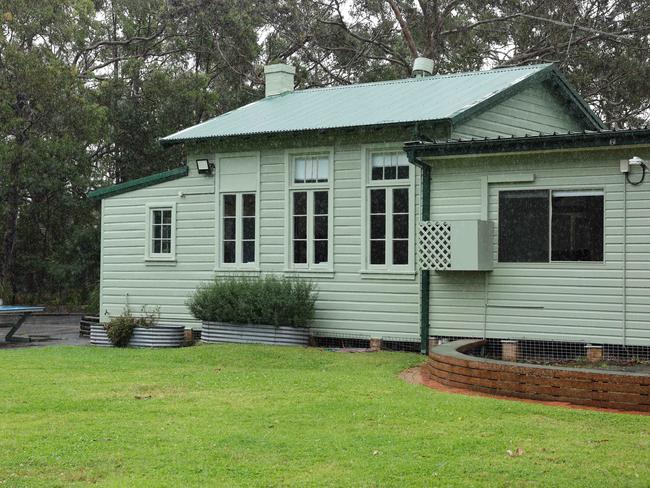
(248, 251)
(299, 252)
(320, 203)
(156, 247)
(300, 203)
(157, 229)
(377, 226)
(400, 252)
(401, 226)
(401, 200)
(310, 171)
(320, 227)
(299, 171)
(403, 172)
(229, 205)
(320, 252)
(577, 227)
(323, 170)
(157, 217)
(300, 227)
(248, 204)
(377, 166)
(166, 247)
(229, 252)
(167, 231)
(523, 226)
(229, 228)
(377, 201)
(377, 252)
(390, 172)
(167, 216)
(248, 229)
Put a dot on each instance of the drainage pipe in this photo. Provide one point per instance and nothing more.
(425, 214)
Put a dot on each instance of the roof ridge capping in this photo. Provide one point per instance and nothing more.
(461, 74)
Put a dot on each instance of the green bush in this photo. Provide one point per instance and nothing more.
(120, 329)
(269, 300)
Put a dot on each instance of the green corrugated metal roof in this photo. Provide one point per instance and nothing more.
(409, 100)
(138, 183)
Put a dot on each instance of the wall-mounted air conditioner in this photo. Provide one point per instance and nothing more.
(455, 245)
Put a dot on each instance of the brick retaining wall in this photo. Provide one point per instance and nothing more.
(619, 390)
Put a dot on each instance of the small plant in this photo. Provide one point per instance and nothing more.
(120, 329)
(268, 301)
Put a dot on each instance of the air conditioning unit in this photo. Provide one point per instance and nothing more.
(455, 245)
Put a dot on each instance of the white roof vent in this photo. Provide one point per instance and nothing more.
(422, 67)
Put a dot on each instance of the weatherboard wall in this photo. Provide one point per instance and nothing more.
(531, 111)
(581, 301)
(351, 303)
(127, 278)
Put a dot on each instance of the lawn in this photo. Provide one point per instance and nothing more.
(273, 416)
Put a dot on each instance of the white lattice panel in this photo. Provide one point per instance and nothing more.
(434, 245)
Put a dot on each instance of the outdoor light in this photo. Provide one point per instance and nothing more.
(637, 161)
(203, 166)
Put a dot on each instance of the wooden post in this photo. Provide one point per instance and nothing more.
(189, 337)
(594, 353)
(375, 344)
(509, 350)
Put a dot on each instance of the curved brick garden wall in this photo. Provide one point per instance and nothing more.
(624, 391)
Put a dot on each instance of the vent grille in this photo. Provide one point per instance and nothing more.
(434, 245)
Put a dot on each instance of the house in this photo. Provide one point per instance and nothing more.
(506, 216)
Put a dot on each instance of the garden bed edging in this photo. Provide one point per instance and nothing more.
(596, 388)
(157, 336)
(222, 332)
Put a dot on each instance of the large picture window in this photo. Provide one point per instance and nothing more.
(238, 228)
(544, 225)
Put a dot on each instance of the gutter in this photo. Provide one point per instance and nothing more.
(425, 278)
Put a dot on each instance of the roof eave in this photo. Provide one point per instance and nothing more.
(127, 186)
(604, 139)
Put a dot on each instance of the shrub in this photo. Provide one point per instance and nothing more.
(120, 329)
(269, 300)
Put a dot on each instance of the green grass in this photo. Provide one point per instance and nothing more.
(273, 416)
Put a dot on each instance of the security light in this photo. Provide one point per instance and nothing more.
(203, 166)
(637, 161)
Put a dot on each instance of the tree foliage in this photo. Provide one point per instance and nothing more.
(87, 87)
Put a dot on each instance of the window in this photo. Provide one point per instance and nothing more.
(238, 228)
(309, 202)
(543, 225)
(311, 169)
(389, 166)
(388, 209)
(161, 232)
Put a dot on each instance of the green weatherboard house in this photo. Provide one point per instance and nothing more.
(487, 204)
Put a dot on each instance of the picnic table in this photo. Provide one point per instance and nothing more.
(21, 313)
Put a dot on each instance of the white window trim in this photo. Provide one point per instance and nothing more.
(220, 266)
(238, 265)
(290, 187)
(381, 271)
(573, 189)
(153, 257)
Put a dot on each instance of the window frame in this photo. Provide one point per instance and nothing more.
(290, 188)
(369, 270)
(238, 265)
(149, 254)
(550, 191)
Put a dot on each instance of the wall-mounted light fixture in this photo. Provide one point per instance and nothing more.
(204, 167)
